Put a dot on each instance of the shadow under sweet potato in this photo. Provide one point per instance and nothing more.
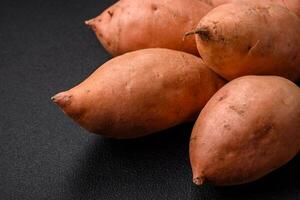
(133, 166)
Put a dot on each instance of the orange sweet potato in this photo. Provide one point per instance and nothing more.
(130, 25)
(141, 92)
(243, 38)
(249, 128)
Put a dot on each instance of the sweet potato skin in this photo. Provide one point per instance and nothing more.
(130, 25)
(216, 3)
(292, 5)
(247, 129)
(255, 39)
(141, 92)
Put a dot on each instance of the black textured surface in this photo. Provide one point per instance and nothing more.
(46, 48)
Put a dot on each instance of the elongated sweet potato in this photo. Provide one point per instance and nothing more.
(243, 38)
(130, 25)
(141, 92)
(249, 128)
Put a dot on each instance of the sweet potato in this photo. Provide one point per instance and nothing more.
(242, 38)
(130, 25)
(141, 92)
(249, 128)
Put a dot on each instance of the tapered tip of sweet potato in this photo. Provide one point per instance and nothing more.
(62, 99)
(89, 22)
(199, 180)
(203, 33)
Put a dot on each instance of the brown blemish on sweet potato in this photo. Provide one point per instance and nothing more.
(222, 98)
(154, 7)
(111, 13)
(237, 110)
(264, 130)
(227, 127)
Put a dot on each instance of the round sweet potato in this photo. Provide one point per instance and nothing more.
(130, 25)
(141, 92)
(250, 127)
(241, 38)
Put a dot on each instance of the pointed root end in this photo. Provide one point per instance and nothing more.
(199, 180)
(203, 32)
(61, 99)
(89, 22)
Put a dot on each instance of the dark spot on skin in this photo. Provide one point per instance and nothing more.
(100, 34)
(153, 7)
(222, 98)
(227, 127)
(266, 129)
(87, 91)
(110, 13)
(238, 111)
(249, 47)
(221, 157)
(108, 43)
(99, 20)
(192, 139)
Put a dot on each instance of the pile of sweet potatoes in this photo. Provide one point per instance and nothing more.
(228, 65)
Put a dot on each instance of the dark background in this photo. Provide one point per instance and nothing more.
(46, 48)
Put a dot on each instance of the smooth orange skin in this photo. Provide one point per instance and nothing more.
(249, 128)
(251, 39)
(141, 92)
(130, 25)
